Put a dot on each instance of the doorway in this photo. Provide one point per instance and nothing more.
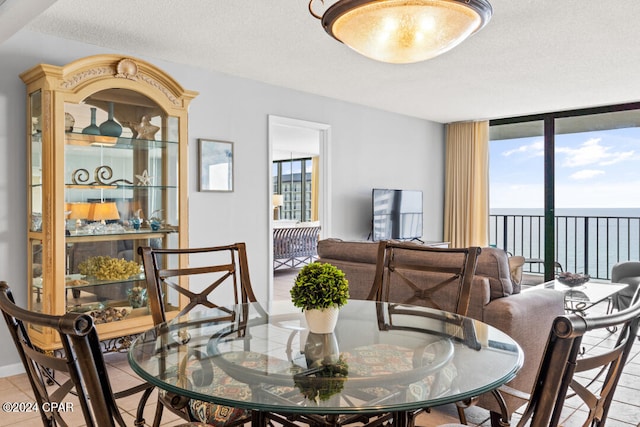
(294, 143)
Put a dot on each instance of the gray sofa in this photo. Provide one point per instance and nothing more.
(495, 300)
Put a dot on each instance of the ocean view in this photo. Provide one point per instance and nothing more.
(588, 240)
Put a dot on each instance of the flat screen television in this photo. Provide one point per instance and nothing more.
(397, 214)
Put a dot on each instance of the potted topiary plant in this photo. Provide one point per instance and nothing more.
(320, 290)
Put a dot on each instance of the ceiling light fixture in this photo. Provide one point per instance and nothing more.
(403, 31)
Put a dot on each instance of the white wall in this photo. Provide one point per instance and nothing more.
(370, 148)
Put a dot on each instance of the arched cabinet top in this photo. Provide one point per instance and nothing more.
(88, 75)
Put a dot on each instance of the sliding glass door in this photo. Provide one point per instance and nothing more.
(569, 183)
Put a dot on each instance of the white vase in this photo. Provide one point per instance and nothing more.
(322, 321)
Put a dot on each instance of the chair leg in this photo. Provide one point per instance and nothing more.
(259, 419)
(496, 420)
(461, 415)
(502, 418)
(460, 407)
(158, 415)
(139, 422)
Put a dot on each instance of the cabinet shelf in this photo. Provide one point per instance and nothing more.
(93, 282)
(118, 187)
(122, 235)
(112, 142)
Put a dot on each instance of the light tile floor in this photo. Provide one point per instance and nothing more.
(625, 411)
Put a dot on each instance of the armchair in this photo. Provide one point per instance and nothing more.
(627, 272)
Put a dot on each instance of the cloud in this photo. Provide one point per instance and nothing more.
(534, 149)
(591, 152)
(586, 174)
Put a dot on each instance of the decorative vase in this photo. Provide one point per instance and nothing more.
(92, 129)
(322, 321)
(135, 222)
(110, 127)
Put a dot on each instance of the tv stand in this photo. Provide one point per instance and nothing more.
(436, 244)
(432, 243)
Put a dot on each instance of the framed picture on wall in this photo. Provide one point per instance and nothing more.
(216, 165)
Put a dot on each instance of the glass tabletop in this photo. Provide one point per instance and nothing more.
(381, 357)
(589, 292)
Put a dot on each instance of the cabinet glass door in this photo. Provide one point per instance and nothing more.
(121, 192)
(34, 217)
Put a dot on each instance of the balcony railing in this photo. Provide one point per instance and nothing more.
(584, 244)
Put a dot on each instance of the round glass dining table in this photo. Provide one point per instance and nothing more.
(381, 358)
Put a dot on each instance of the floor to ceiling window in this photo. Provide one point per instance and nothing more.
(516, 177)
(292, 179)
(566, 186)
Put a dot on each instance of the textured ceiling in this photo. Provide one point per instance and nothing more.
(533, 56)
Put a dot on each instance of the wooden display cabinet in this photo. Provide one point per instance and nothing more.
(96, 192)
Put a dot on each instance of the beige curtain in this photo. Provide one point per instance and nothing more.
(315, 171)
(466, 205)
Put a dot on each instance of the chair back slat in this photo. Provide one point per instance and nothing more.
(215, 267)
(170, 272)
(54, 363)
(423, 275)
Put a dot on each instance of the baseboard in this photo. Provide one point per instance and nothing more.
(10, 370)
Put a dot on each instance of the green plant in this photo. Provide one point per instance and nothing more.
(319, 286)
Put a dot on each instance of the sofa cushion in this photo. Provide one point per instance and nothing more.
(366, 252)
(623, 299)
(493, 263)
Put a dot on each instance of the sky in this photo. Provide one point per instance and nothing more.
(599, 169)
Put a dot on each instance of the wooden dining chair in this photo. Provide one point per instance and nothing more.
(401, 269)
(569, 371)
(76, 371)
(216, 277)
(440, 278)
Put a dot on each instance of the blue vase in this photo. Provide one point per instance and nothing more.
(92, 129)
(155, 224)
(135, 222)
(110, 127)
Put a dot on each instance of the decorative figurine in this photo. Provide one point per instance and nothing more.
(144, 179)
(145, 129)
(69, 122)
(155, 222)
(136, 221)
(137, 296)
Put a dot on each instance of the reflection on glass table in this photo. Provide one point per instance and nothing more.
(382, 358)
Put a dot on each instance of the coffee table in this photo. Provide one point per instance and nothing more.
(581, 298)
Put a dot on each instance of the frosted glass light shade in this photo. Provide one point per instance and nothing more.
(404, 31)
